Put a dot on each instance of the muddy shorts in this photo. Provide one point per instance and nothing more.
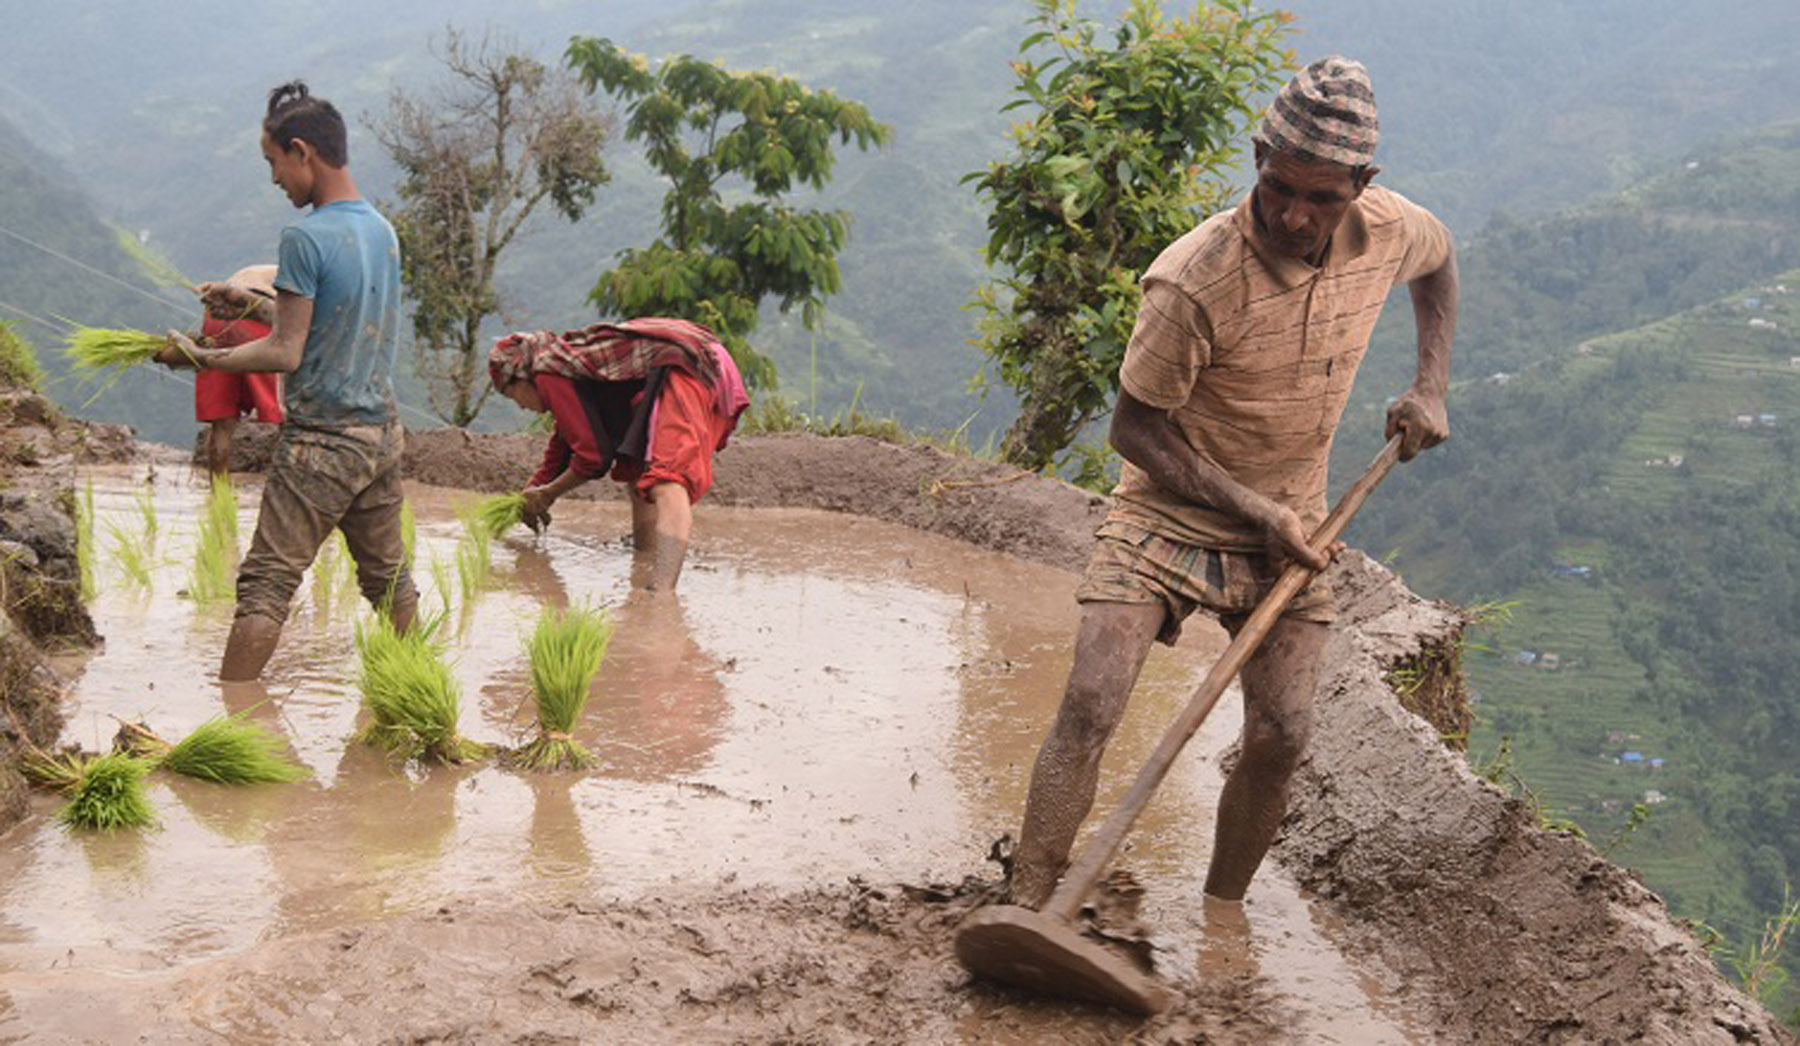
(321, 479)
(1133, 565)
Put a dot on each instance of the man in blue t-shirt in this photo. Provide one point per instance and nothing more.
(336, 334)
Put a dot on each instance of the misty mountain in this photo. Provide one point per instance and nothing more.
(1522, 107)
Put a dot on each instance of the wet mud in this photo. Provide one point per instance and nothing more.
(806, 759)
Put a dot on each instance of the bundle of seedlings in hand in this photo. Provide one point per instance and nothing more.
(230, 749)
(496, 515)
(109, 794)
(410, 695)
(94, 349)
(566, 650)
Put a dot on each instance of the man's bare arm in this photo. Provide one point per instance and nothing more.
(279, 352)
(1421, 412)
(1147, 437)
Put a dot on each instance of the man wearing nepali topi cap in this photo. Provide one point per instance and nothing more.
(1247, 341)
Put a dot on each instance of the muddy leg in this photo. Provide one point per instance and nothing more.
(661, 540)
(248, 648)
(218, 446)
(1278, 695)
(1110, 645)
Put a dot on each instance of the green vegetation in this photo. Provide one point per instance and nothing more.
(733, 148)
(108, 794)
(409, 531)
(19, 367)
(84, 542)
(474, 555)
(410, 695)
(232, 749)
(1128, 144)
(496, 515)
(92, 350)
(214, 575)
(566, 649)
(131, 553)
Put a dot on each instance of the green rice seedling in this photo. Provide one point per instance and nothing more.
(409, 531)
(146, 506)
(566, 649)
(84, 542)
(109, 795)
(474, 558)
(496, 515)
(440, 579)
(92, 350)
(334, 575)
(130, 554)
(232, 749)
(215, 552)
(410, 695)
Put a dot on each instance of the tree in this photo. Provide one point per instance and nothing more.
(1129, 145)
(708, 131)
(505, 135)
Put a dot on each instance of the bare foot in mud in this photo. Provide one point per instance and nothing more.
(1227, 948)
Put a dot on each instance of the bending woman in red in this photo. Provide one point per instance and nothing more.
(649, 400)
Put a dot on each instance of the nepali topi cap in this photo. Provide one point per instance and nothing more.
(1325, 113)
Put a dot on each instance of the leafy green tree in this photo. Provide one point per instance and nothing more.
(713, 133)
(1129, 144)
(507, 135)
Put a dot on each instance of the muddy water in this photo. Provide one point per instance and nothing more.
(830, 697)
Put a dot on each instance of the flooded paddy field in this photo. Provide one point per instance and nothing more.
(831, 705)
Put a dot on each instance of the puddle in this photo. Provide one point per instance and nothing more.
(829, 697)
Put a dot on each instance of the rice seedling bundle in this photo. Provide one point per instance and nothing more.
(566, 650)
(92, 350)
(410, 695)
(496, 515)
(109, 794)
(232, 749)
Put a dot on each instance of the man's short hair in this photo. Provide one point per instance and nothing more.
(295, 113)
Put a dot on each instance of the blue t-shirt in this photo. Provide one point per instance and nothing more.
(345, 257)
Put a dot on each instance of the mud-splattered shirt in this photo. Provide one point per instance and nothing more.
(345, 258)
(1253, 355)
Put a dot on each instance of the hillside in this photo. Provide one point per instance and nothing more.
(1634, 504)
(1524, 107)
(59, 259)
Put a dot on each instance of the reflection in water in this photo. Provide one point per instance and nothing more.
(659, 687)
(826, 697)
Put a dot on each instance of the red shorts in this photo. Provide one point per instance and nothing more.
(684, 433)
(222, 396)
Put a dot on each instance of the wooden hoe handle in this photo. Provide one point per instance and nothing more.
(1082, 875)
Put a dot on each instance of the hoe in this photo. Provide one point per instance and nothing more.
(1042, 950)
